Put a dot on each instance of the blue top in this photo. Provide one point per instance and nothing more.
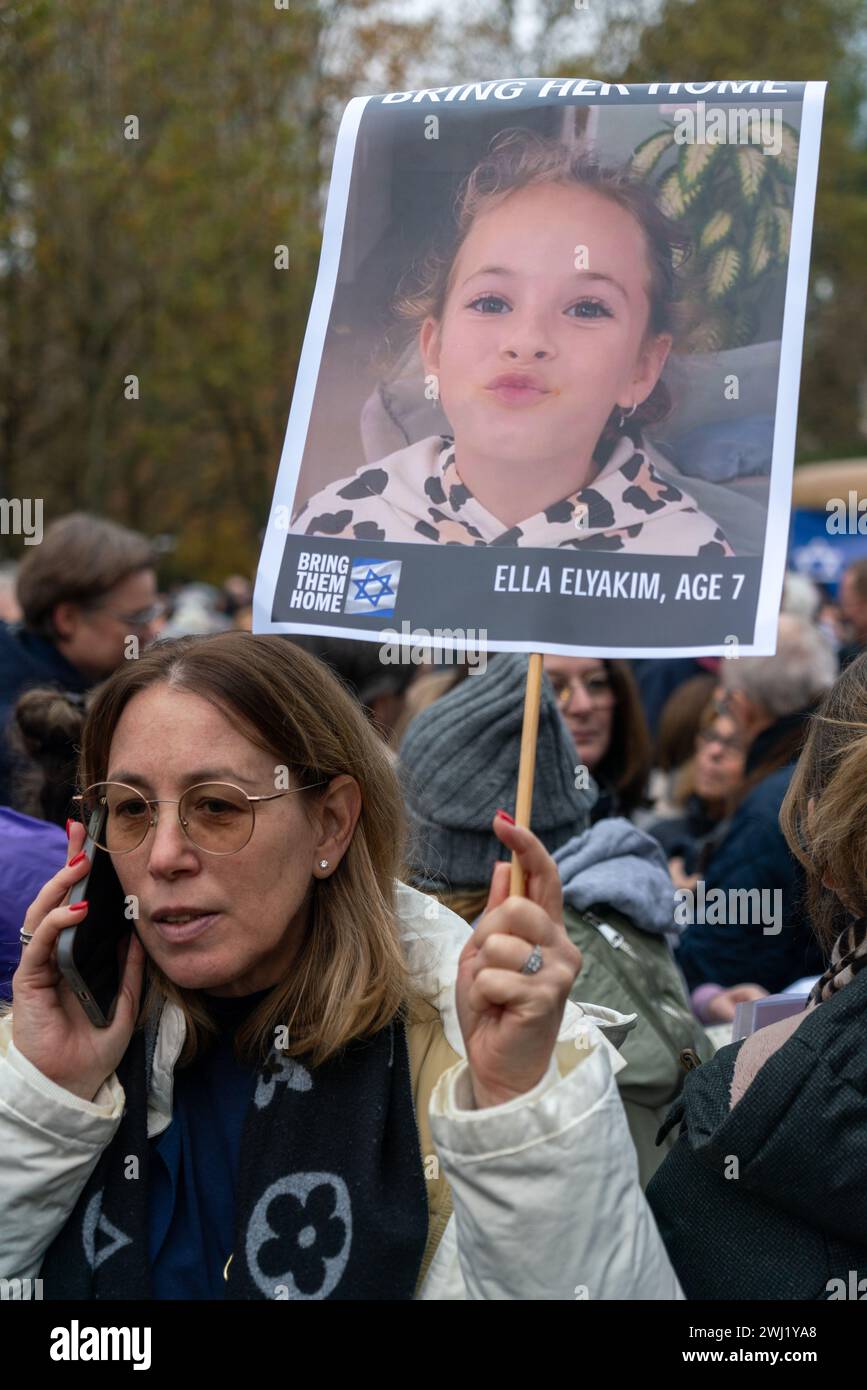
(194, 1165)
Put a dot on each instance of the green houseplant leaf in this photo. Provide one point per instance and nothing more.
(693, 165)
(672, 197)
(751, 166)
(647, 155)
(787, 159)
(723, 272)
(715, 230)
(762, 244)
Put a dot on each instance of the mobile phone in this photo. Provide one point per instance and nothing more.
(87, 952)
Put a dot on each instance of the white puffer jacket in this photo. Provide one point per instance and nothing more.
(547, 1203)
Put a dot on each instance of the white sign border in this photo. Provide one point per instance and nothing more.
(785, 419)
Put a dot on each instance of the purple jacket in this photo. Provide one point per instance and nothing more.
(31, 851)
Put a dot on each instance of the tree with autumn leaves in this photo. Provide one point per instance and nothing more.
(162, 178)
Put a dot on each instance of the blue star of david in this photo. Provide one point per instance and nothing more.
(385, 590)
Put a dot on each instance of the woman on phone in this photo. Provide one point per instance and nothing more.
(300, 1040)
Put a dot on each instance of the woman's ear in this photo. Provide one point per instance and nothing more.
(651, 361)
(429, 344)
(337, 816)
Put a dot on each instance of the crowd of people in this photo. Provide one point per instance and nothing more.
(480, 1095)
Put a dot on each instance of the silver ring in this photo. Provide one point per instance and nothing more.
(533, 963)
(25, 937)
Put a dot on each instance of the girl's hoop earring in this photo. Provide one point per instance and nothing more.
(627, 416)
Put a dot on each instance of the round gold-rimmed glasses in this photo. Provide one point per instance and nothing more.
(217, 817)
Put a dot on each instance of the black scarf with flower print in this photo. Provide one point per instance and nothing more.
(331, 1199)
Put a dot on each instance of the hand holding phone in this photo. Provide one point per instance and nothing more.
(49, 1025)
(88, 953)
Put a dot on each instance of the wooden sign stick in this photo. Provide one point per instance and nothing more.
(527, 762)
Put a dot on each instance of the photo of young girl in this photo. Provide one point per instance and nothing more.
(543, 329)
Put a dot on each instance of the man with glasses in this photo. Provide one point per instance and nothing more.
(88, 587)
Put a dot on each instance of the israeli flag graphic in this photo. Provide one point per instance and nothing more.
(373, 587)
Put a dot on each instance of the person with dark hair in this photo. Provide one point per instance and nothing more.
(45, 732)
(600, 704)
(88, 587)
(706, 789)
(784, 1111)
(46, 727)
(547, 366)
(295, 1031)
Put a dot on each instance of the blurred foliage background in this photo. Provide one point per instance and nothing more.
(155, 257)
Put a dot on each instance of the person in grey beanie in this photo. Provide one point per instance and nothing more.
(458, 766)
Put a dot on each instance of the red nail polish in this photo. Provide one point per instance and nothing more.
(505, 815)
(68, 824)
(77, 860)
(78, 907)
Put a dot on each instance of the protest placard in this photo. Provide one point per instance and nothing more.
(547, 397)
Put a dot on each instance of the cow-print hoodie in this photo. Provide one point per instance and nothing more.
(416, 494)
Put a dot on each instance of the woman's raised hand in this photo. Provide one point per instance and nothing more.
(49, 1026)
(510, 1020)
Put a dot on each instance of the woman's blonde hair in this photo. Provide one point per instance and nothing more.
(349, 977)
(830, 838)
